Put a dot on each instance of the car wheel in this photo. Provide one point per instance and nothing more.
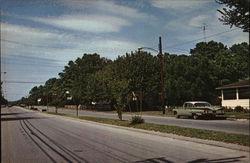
(195, 116)
(176, 115)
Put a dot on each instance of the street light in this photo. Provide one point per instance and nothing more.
(69, 97)
(56, 103)
(162, 72)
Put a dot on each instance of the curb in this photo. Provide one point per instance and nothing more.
(173, 136)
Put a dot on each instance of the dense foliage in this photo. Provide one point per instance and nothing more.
(3, 100)
(132, 81)
(235, 13)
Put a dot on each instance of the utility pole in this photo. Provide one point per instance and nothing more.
(161, 57)
(204, 31)
(77, 110)
(47, 102)
(162, 77)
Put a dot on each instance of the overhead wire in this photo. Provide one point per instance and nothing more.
(37, 46)
(191, 41)
(27, 82)
(40, 65)
(32, 59)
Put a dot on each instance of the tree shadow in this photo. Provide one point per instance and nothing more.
(214, 118)
(223, 160)
(5, 114)
(19, 118)
(202, 160)
(155, 160)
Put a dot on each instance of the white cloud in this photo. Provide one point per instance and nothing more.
(199, 20)
(106, 6)
(63, 47)
(178, 4)
(28, 35)
(86, 23)
(30, 43)
(18, 32)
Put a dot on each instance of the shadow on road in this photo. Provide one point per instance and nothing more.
(202, 160)
(204, 118)
(223, 160)
(19, 118)
(215, 118)
(5, 114)
(155, 160)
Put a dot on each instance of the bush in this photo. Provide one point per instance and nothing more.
(239, 109)
(137, 120)
(227, 109)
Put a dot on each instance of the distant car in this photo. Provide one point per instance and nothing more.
(43, 109)
(33, 108)
(196, 109)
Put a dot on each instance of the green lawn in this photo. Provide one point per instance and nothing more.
(229, 115)
(237, 115)
(156, 113)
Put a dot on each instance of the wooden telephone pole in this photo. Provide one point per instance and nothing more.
(161, 56)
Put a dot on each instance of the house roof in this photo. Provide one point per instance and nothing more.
(242, 83)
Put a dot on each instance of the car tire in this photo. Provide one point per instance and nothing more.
(176, 115)
(195, 116)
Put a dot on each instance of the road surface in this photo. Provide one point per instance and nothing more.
(34, 137)
(240, 127)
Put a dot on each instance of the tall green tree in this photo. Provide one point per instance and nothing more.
(36, 93)
(235, 13)
(136, 75)
(77, 78)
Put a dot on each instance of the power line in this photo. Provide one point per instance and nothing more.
(181, 50)
(26, 82)
(41, 65)
(32, 45)
(30, 58)
(213, 35)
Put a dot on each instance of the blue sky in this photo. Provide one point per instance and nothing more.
(39, 37)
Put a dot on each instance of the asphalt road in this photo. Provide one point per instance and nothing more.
(240, 127)
(34, 137)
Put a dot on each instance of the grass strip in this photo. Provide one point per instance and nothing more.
(182, 131)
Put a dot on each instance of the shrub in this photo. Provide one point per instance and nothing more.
(238, 109)
(227, 109)
(170, 108)
(137, 120)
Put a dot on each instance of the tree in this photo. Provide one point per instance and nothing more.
(36, 93)
(236, 13)
(188, 77)
(3, 100)
(208, 49)
(57, 93)
(77, 77)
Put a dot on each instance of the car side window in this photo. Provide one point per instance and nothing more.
(189, 105)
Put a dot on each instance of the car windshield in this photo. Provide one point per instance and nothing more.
(203, 104)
